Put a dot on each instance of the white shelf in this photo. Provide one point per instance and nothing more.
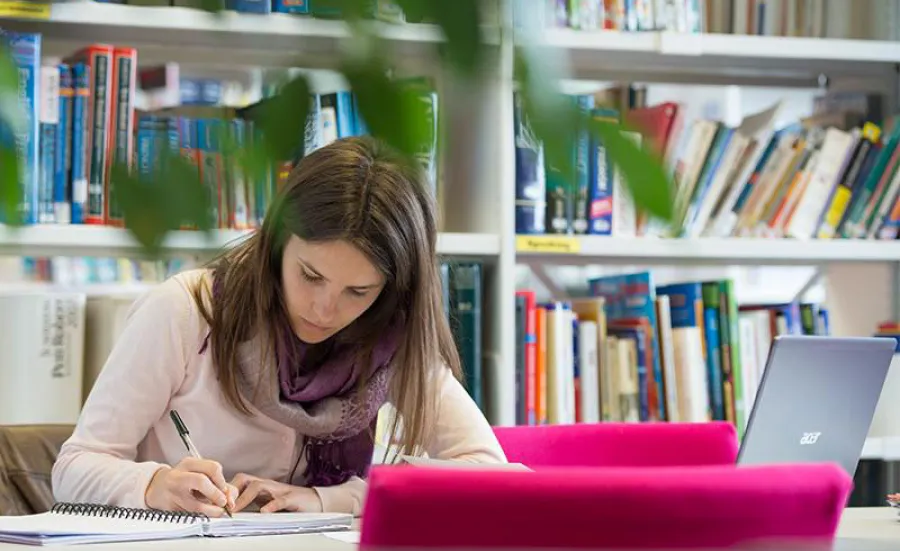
(718, 251)
(886, 448)
(723, 58)
(190, 35)
(78, 240)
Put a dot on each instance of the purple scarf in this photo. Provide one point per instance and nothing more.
(322, 403)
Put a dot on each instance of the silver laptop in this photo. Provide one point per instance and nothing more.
(816, 400)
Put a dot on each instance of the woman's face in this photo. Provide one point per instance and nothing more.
(326, 286)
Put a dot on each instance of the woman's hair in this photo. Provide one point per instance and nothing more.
(360, 191)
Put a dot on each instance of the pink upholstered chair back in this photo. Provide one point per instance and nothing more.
(615, 508)
(620, 444)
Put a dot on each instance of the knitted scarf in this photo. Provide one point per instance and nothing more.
(322, 403)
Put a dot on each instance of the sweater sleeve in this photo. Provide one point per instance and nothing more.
(461, 433)
(144, 370)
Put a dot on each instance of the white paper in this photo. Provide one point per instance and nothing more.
(346, 537)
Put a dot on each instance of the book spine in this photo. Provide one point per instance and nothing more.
(48, 116)
(99, 58)
(81, 81)
(466, 293)
(62, 189)
(531, 191)
(290, 6)
(249, 6)
(121, 124)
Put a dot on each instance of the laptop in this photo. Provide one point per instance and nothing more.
(816, 400)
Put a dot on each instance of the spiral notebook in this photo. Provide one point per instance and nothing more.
(68, 524)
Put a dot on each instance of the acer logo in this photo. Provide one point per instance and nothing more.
(809, 438)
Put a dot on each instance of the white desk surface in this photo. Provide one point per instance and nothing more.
(861, 529)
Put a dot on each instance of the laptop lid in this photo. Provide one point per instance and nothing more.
(816, 400)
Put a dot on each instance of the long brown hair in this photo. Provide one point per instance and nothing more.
(360, 191)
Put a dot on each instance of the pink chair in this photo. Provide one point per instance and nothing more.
(615, 508)
(620, 444)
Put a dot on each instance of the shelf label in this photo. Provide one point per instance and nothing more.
(24, 10)
(559, 244)
(672, 43)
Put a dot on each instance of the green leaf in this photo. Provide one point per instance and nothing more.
(552, 116)
(212, 6)
(556, 122)
(643, 173)
(10, 186)
(460, 20)
(143, 206)
(282, 119)
(393, 111)
(170, 198)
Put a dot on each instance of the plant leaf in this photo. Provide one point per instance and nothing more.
(143, 208)
(556, 122)
(172, 197)
(282, 119)
(212, 6)
(394, 111)
(643, 173)
(460, 20)
(10, 186)
(12, 123)
(552, 116)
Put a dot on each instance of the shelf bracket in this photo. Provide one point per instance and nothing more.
(807, 287)
(895, 291)
(540, 273)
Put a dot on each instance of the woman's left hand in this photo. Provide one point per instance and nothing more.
(274, 496)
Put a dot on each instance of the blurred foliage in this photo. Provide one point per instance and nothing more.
(152, 208)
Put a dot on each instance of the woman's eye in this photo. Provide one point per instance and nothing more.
(357, 293)
(309, 277)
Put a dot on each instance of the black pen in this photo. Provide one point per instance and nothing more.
(185, 435)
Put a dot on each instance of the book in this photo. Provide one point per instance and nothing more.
(76, 523)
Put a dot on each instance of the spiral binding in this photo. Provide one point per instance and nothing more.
(111, 511)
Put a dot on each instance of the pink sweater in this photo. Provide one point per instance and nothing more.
(124, 433)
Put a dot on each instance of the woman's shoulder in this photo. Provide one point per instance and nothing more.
(173, 299)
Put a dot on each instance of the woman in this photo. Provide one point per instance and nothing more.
(280, 355)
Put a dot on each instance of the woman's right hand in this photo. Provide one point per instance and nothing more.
(193, 485)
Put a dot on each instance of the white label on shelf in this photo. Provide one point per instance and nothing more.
(671, 43)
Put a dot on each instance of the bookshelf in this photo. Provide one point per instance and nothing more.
(477, 206)
(721, 251)
(83, 240)
(718, 58)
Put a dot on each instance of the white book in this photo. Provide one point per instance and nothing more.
(667, 356)
(105, 317)
(42, 340)
(589, 369)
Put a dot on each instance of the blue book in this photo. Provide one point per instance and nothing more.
(600, 179)
(81, 101)
(250, 6)
(62, 189)
(531, 185)
(48, 123)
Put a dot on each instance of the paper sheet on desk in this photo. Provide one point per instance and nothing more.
(346, 537)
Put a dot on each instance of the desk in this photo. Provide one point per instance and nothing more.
(861, 529)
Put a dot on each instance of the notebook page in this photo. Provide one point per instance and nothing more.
(54, 524)
(276, 523)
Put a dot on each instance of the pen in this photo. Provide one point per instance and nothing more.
(185, 435)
